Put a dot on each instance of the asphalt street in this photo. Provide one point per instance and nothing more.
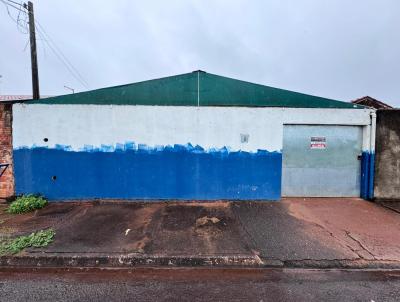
(198, 284)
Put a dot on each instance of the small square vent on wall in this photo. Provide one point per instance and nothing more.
(244, 138)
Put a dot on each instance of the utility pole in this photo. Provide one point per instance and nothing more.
(34, 63)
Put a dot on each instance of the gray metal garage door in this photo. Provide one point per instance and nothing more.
(321, 161)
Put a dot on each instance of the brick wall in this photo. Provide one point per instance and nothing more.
(7, 179)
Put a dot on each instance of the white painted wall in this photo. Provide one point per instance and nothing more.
(209, 127)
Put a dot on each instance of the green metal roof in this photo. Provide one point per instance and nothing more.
(197, 88)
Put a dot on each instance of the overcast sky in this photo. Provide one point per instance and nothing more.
(338, 49)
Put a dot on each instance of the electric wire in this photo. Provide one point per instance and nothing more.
(42, 40)
(21, 24)
(8, 11)
(48, 40)
(11, 5)
(57, 51)
(13, 2)
(24, 24)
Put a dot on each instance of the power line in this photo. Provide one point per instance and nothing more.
(13, 2)
(8, 11)
(21, 28)
(13, 6)
(42, 41)
(49, 41)
(60, 55)
(65, 58)
(24, 22)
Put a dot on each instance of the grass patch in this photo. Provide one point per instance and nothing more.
(39, 239)
(26, 203)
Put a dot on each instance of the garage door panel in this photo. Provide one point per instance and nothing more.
(331, 171)
(321, 182)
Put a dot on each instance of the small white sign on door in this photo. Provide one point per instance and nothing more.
(318, 142)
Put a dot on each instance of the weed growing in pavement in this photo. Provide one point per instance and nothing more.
(26, 203)
(41, 238)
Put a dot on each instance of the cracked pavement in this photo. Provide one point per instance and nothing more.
(295, 232)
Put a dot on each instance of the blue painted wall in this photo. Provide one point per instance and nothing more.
(178, 172)
(367, 175)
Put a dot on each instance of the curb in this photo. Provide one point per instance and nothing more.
(126, 260)
(139, 260)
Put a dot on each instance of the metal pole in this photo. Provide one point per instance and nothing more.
(34, 63)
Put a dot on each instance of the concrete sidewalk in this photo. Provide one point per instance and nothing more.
(312, 233)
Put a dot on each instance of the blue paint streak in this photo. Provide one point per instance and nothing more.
(371, 176)
(364, 175)
(170, 172)
(367, 175)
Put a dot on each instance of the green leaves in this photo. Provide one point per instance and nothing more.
(41, 238)
(26, 203)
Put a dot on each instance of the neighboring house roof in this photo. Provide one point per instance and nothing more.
(14, 98)
(371, 102)
(197, 88)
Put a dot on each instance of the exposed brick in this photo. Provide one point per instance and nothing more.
(7, 179)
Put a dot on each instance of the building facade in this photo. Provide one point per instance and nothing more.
(192, 136)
